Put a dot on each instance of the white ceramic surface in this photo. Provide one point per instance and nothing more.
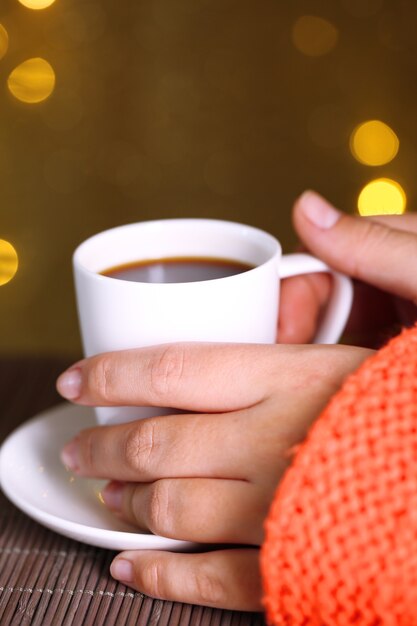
(118, 314)
(34, 479)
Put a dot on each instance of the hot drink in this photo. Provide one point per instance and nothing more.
(176, 270)
(196, 284)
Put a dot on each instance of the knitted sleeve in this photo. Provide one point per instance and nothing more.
(341, 536)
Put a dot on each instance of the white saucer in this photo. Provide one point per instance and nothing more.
(34, 479)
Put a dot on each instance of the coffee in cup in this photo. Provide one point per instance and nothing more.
(177, 280)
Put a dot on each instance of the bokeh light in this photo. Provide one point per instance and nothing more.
(314, 36)
(8, 262)
(37, 4)
(32, 81)
(4, 41)
(382, 196)
(374, 143)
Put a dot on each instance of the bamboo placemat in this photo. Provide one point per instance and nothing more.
(49, 580)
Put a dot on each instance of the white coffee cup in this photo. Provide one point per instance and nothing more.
(118, 314)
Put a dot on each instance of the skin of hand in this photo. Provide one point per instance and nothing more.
(207, 475)
(377, 252)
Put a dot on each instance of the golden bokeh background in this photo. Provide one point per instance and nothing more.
(118, 112)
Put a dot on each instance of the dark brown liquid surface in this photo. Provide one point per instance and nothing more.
(176, 270)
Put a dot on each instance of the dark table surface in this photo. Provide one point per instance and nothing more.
(47, 579)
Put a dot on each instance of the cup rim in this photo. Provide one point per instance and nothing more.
(258, 232)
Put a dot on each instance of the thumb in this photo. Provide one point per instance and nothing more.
(360, 247)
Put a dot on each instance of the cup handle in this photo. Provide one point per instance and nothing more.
(340, 303)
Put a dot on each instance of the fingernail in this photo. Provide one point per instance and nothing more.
(318, 211)
(122, 569)
(69, 384)
(112, 495)
(70, 455)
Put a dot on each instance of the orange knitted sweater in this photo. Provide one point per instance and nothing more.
(341, 535)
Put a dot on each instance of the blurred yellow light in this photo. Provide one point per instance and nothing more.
(374, 143)
(36, 4)
(314, 36)
(32, 81)
(382, 196)
(4, 41)
(8, 262)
